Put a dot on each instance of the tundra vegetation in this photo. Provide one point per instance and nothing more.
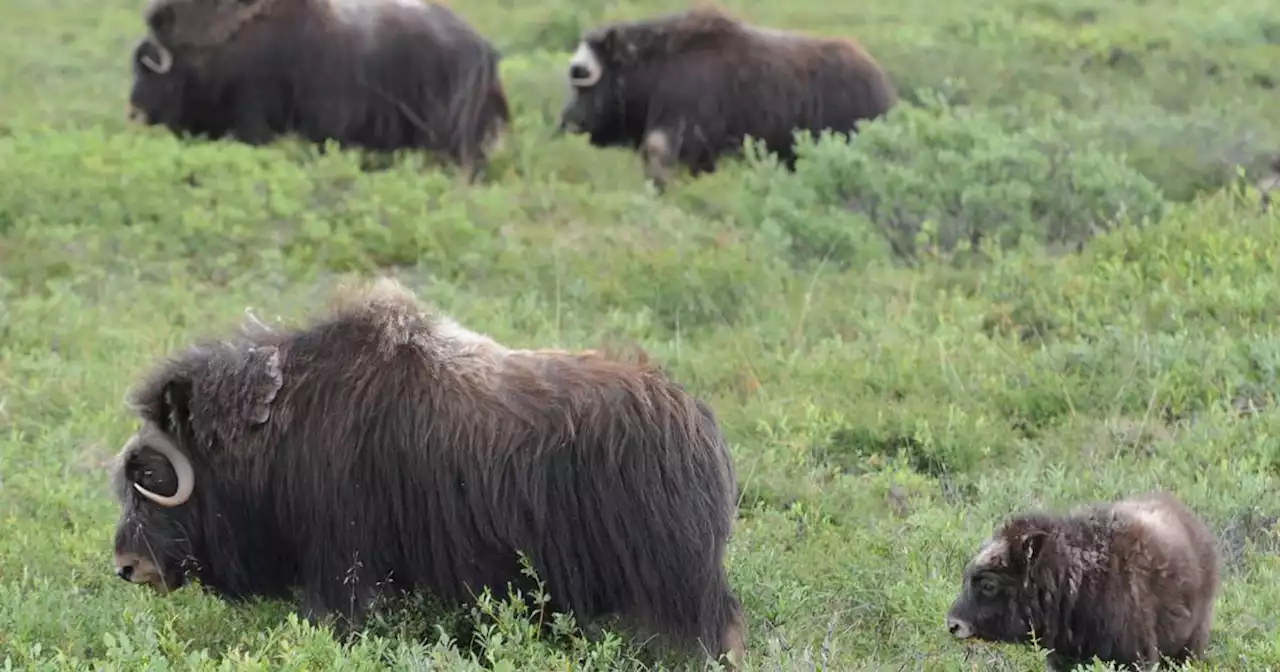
(1042, 280)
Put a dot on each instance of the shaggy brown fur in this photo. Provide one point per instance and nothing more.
(385, 448)
(689, 87)
(380, 75)
(1127, 582)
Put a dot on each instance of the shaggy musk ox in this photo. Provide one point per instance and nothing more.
(1128, 582)
(387, 448)
(688, 87)
(380, 75)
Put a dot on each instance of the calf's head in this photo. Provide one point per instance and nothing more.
(998, 584)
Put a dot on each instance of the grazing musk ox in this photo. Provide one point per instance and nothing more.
(381, 75)
(1128, 582)
(387, 448)
(688, 87)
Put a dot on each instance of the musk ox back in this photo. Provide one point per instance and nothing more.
(689, 87)
(381, 75)
(1128, 582)
(387, 448)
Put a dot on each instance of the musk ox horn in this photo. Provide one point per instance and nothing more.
(585, 68)
(160, 442)
(166, 58)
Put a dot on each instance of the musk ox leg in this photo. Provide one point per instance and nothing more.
(733, 636)
(1197, 642)
(658, 153)
(1060, 663)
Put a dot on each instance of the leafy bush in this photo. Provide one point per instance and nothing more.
(935, 178)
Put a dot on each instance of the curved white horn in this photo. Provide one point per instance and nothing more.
(166, 58)
(585, 59)
(159, 442)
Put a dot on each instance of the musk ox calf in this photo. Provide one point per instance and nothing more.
(1128, 582)
(380, 75)
(689, 87)
(387, 448)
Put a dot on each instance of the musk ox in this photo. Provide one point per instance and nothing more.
(379, 75)
(688, 88)
(385, 448)
(1129, 582)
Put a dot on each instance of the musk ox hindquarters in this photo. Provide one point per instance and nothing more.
(687, 88)
(1129, 582)
(387, 448)
(380, 75)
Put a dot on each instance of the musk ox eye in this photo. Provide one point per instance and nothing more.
(989, 586)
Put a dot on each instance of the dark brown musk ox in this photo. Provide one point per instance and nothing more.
(385, 448)
(379, 75)
(1128, 582)
(688, 87)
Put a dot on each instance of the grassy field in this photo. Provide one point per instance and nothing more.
(890, 389)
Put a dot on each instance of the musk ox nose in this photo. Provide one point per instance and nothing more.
(161, 20)
(578, 71)
(125, 571)
(958, 628)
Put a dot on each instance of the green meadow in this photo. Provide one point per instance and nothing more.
(1042, 281)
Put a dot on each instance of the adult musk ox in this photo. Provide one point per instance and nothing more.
(380, 75)
(1128, 582)
(688, 87)
(387, 448)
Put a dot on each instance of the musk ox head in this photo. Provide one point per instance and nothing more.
(594, 104)
(156, 94)
(998, 582)
(196, 411)
(154, 481)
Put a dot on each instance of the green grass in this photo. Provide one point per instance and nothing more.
(890, 389)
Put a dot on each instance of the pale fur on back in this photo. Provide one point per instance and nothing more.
(402, 319)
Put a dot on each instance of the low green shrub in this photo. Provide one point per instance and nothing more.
(935, 178)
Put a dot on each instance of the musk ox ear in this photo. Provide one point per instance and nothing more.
(264, 381)
(176, 408)
(1029, 545)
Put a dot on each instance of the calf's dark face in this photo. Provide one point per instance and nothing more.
(989, 606)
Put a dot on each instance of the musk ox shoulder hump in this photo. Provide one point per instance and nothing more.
(670, 35)
(1156, 519)
(364, 13)
(401, 319)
